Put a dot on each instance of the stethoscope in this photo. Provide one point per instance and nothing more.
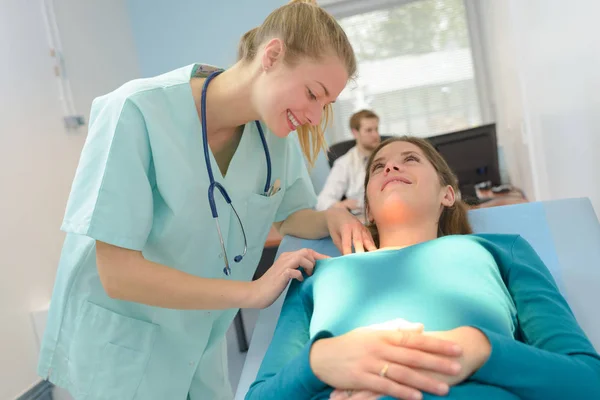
(213, 184)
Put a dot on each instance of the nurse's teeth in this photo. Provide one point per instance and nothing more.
(292, 119)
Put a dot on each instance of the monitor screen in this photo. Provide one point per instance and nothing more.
(472, 154)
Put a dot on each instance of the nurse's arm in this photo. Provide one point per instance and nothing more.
(127, 275)
(345, 229)
(306, 224)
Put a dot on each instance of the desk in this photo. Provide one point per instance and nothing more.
(514, 196)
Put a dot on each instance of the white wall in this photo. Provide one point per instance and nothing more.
(505, 92)
(545, 60)
(38, 157)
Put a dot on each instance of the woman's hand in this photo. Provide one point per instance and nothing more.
(476, 351)
(396, 324)
(385, 361)
(265, 290)
(347, 230)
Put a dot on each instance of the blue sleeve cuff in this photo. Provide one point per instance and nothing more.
(313, 384)
(497, 361)
(533, 373)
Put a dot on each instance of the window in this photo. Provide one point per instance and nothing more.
(415, 69)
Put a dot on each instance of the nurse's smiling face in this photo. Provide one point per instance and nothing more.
(287, 95)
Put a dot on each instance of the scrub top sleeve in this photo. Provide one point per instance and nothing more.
(111, 196)
(299, 191)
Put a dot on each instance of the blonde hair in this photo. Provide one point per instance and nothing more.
(454, 219)
(307, 31)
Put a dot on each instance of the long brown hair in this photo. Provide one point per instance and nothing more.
(453, 220)
(307, 30)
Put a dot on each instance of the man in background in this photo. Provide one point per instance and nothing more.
(347, 175)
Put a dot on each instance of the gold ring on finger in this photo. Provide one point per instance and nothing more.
(384, 370)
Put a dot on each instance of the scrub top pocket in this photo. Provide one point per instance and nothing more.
(260, 215)
(109, 353)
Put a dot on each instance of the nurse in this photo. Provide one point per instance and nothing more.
(175, 193)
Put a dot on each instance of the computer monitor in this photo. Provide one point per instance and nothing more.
(473, 156)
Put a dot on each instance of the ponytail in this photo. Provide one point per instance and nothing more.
(246, 47)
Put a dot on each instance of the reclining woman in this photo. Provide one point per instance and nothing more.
(491, 323)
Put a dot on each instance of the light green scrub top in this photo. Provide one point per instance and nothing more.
(142, 184)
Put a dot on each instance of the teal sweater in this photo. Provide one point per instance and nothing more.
(496, 283)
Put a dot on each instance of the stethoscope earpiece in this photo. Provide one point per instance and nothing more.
(237, 258)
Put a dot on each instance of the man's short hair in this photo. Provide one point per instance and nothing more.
(359, 116)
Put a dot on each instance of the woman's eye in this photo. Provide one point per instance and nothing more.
(412, 158)
(376, 167)
(311, 95)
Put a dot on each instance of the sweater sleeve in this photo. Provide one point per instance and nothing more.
(285, 372)
(555, 360)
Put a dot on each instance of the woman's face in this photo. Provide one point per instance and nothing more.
(289, 96)
(403, 185)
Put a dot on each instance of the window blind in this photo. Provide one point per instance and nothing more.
(415, 69)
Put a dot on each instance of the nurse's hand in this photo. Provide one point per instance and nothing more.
(385, 362)
(266, 289)
(346, 231)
